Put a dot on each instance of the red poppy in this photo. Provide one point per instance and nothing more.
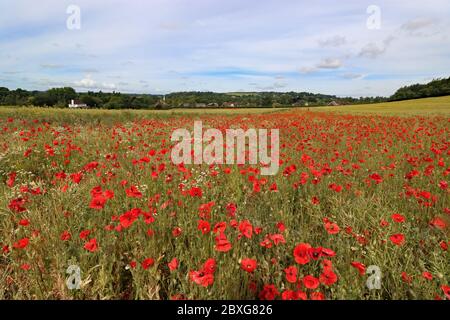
(25, 267)
(360, 267)
(84, 234)
(248, 265)
(204, 226)
(209, 266)
(231, 209)
(277, 238)
(317, 296)
(326, 252)
(220, 227)
(315, 200)
(246, 228)
(376, 177)
(398, 217)
(310, 282)
(21, 244)
(176, 232)
(222, 243)
(11, 179)
(427, 275)
(24, 222)
(127, 219)
(406, 277)
(328, 277)
(147, 263)
(98, 202)
(291, 274)
(384, 223)
(446, 290)
(301, 254)
(91, 245)
(17, 205)
(331, 227)
(201, 278)
(65, 236)
(289, 295)
(195, 192)
(281, 227)
(173, 264)
(133, 192)
(315, 253)
(269, 292)
(438, 223)
(397, 239)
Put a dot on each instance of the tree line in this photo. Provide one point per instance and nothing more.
(434, 88)
(61, 97)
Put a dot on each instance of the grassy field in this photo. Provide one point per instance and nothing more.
(427, 106)
(96, 191)
(439, 106)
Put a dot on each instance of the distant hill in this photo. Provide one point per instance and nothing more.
(435, 88)
(60, 97)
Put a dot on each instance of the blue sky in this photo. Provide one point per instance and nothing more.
(160, 46)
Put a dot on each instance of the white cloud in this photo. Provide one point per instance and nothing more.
(416, 24)
(352, 76)
(334, 41)
(329, 63)
(373, 50)
(51, 66)
(89, 83)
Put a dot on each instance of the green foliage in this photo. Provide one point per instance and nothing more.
(60, 97)
(435, 88)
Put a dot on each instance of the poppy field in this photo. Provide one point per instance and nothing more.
(359, 209)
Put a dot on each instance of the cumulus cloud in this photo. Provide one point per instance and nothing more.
(275, 86)
(51, 66)
(373, 50)
(417, 24)
(334, 41)
(352, 76)
(329, 63)
(89, 83)
(306, 70)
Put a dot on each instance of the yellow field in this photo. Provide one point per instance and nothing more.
(427, 106)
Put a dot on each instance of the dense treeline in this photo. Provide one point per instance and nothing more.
(60, 97)
(261, 99)
(435, 88)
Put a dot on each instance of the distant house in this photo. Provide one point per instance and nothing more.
(229, 105)
(333, 103)
(213, 105)
(161, 104)
(200, 105)
(77, 104)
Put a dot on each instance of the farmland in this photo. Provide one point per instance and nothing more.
(359, 187)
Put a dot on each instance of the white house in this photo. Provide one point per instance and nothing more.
(77, 104)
